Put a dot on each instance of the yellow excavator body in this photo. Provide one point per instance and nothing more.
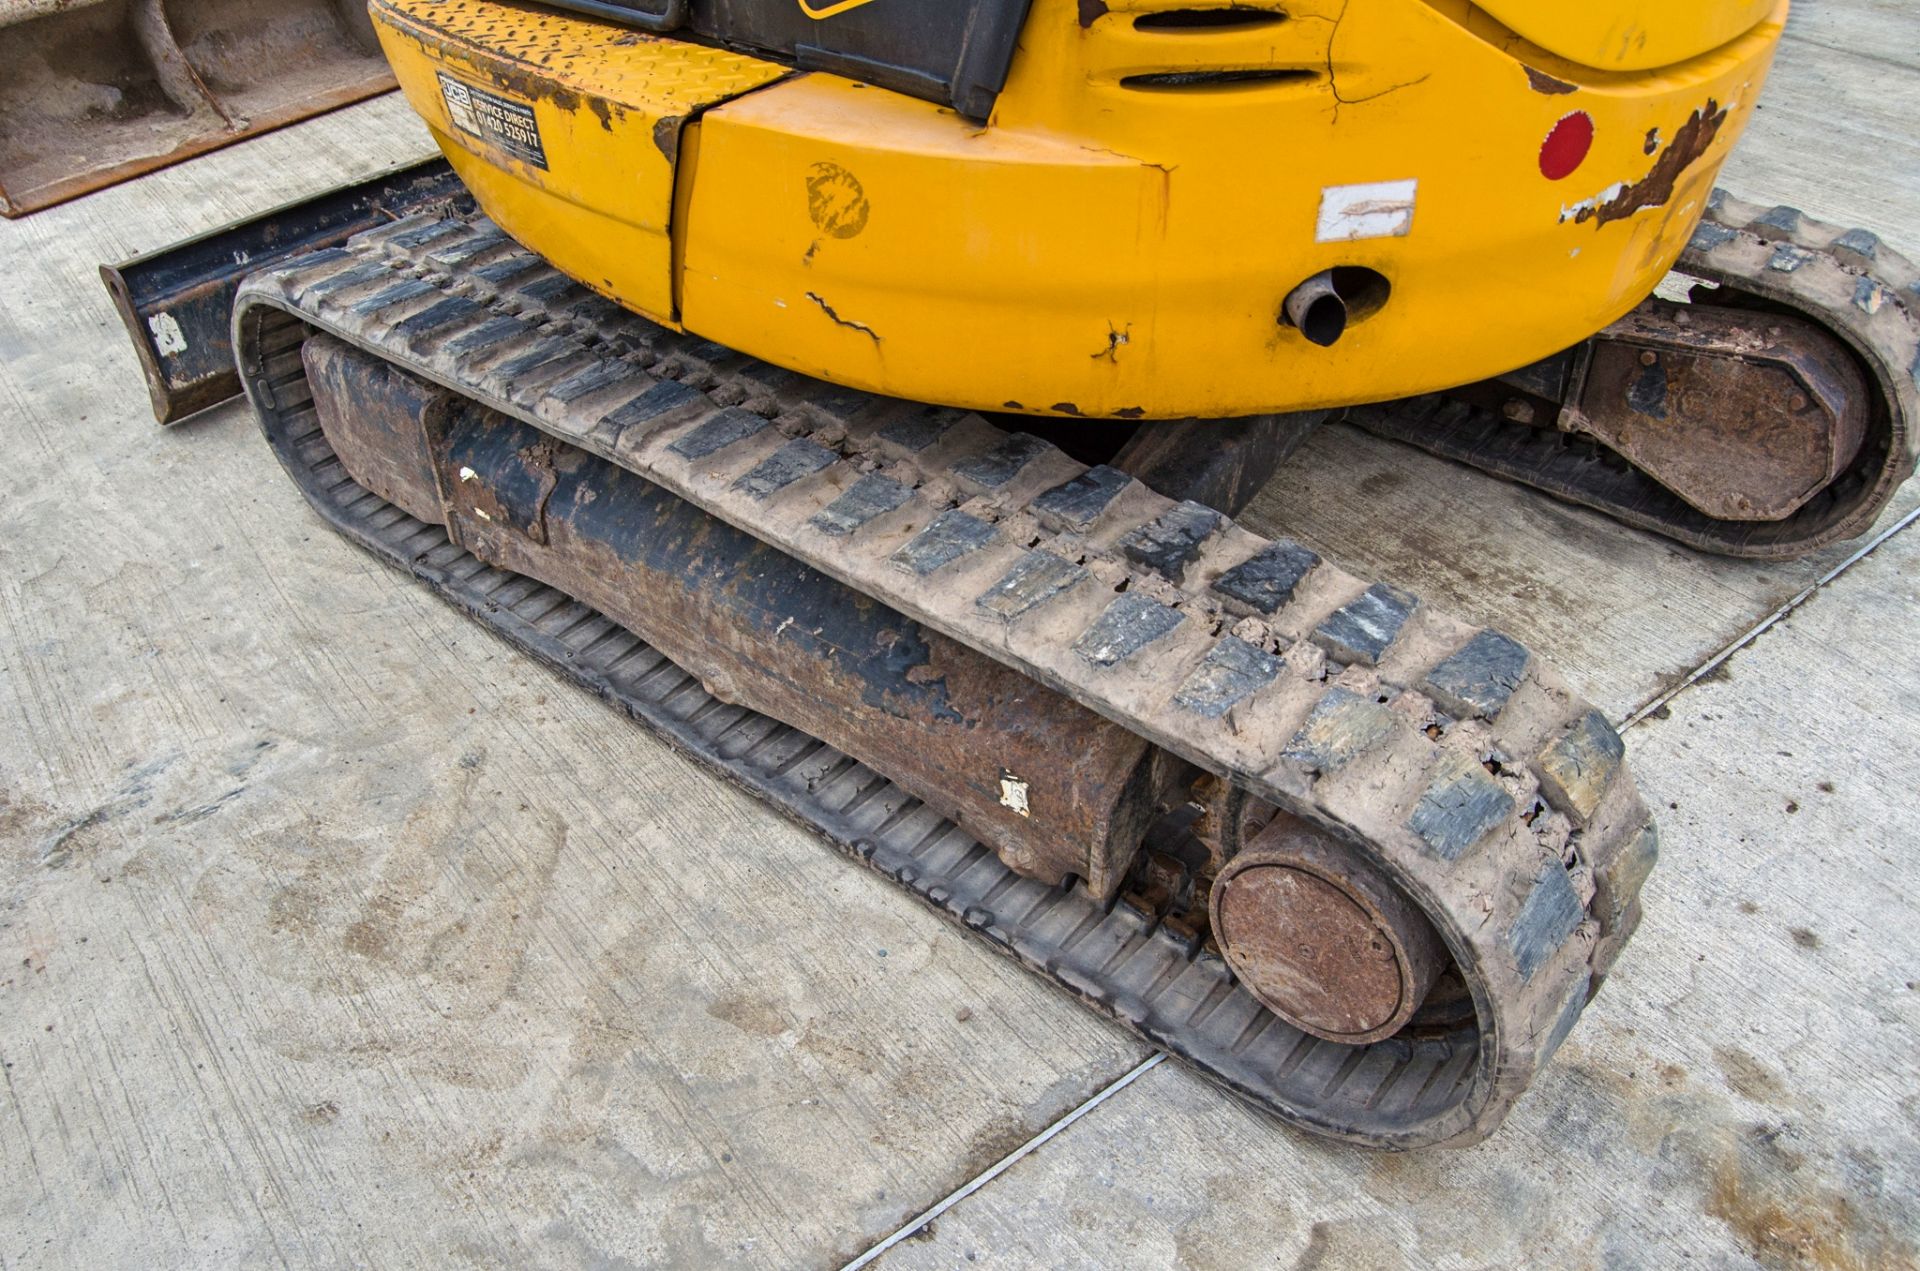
(1171, 209)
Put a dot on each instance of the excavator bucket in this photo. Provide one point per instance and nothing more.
(94, 92)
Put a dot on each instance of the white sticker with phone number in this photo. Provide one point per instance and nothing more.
(501, 122)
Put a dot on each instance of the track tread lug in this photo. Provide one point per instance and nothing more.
(798, 457)
(1074, 505)
(1363, 629)
(1341, 726)
(1232, 671)
(947, 538)
(1546, 919)
(1172, 541)
(398, 293)
(1266, 581)
(1478, 680)
(1001, 463)
(1461, 805)
(921, 429)
(1576, 767)
(1125, 627)
(714, 435)
(1035, 578)
(871, 496)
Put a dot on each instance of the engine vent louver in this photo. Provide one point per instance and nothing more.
(1198, 81)
(1233, 18)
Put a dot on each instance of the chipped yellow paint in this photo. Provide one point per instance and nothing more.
(884, 242)
(610, 105)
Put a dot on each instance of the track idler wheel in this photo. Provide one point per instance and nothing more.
(1322, 937)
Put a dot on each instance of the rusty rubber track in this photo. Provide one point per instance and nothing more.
(1846, 280)
(1458, 762)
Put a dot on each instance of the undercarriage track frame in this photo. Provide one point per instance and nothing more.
(1464, 767)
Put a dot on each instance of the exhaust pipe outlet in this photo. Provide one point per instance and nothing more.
(1317, 309)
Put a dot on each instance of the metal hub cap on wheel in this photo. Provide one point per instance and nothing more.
(1322, 937)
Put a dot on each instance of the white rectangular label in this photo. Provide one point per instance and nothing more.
(1378, 209)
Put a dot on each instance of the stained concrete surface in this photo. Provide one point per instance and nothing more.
(334, 932)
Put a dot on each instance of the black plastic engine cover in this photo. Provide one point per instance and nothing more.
(955, 52)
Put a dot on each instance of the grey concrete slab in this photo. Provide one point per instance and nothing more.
(1746, 1090)
(335, 932)
(1834, 129)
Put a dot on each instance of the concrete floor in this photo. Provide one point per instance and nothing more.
(334, 932)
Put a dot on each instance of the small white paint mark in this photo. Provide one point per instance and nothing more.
(468, 474)
(1013, 793)
(482, 514)
(1375, 209)
(784, 624)
(167, 335)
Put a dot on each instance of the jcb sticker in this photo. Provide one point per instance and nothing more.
(499, 121)
(827, 8)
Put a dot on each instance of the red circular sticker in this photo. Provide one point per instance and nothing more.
(1566, 146)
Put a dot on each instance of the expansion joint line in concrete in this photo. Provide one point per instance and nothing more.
(1005, 1163)
(1765, 624)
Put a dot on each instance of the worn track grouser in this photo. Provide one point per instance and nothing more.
(861, 394)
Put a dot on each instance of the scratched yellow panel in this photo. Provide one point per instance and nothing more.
(1118, 240)
(1630, 35)
(566, 129)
